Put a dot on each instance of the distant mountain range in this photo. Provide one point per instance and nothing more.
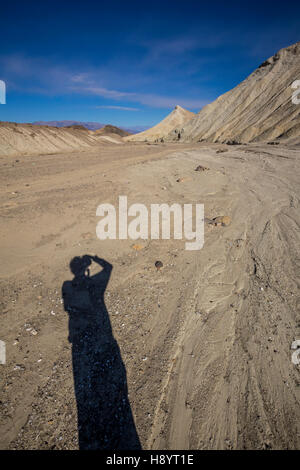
(92, 126)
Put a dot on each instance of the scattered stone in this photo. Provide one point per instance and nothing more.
(158, 265)
(222, 150)
(201, 168)
(180, 180)
(222, 220)
(137, 247)
(87, 235)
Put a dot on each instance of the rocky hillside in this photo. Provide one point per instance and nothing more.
(109, 129)
(28, 139)
(178, 117)
(258, 109)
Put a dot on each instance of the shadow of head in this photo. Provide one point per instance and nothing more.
(80, 264)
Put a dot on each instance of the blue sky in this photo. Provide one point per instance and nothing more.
(129, 63)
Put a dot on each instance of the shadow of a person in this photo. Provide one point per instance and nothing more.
(105, 419)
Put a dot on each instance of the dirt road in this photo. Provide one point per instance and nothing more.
(204, 342)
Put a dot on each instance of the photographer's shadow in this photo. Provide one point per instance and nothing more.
(105, 419)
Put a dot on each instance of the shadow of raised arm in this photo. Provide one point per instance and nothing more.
(104, 275)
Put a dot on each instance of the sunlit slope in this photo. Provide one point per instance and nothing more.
(258, 109)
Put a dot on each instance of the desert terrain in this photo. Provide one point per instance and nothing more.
(204, 341)
(28, 139)
(177, 118)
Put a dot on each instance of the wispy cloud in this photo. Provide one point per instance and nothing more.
(37, 76)
(177, 46)
(101, 91)
(158, 101)
(121, 108)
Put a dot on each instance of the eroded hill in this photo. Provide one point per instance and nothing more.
(259, 109)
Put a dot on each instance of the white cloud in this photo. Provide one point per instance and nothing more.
(122, 108)
(37, 76)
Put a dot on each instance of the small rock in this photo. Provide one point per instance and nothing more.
(158, 265)
(137, 247)
(201, 168)
(223, 220)
(87, 235)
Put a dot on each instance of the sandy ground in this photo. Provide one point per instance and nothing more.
(205, 340)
